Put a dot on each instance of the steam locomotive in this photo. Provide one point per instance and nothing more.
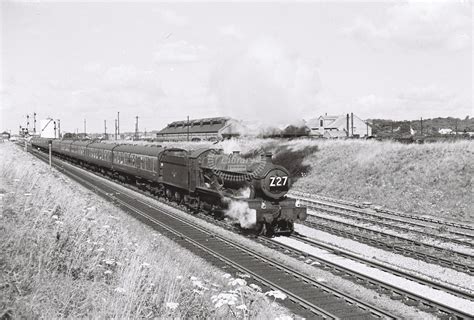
(251, 190)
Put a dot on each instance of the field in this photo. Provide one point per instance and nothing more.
(66, 253)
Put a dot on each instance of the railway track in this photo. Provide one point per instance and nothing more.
(387, 215)
(307, 297)
(395, 292)
(359, 215)
(393, 243)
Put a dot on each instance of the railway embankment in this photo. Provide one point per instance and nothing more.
(66, 252)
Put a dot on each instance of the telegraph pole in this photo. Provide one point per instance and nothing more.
(59, 129)
(105, 129)
(136, 128)
(115, 132)
(421, 125)
(34, 123)
(28, 123)
(118, 124)
(352, 124)
(85, 131)
(54, 123)
(187, 125)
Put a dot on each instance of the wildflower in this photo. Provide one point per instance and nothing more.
(224, 299)
(179, 277)
(120, 290)
(27, 194)
(108, 272)
(55, 217)
(199, 284)
(242, 307)
(172, 305)
(226, 276)
(193, 278)
(59, 222)
(255, 287)
(145, 265)
(238, 282)
(243, 275)
(100, 250)
(277, 294)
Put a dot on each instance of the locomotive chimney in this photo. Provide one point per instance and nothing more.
(267, 157)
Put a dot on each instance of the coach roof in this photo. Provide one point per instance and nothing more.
(151, 150)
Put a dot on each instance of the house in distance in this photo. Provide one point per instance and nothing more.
(339, 126)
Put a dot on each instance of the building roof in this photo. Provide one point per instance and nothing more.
(206, 125)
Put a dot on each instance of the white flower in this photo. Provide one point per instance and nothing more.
(277, 294)
(55, 217)
(179, 277)
(243, 275)
(224, 299)
(145, 265)
(27, 194)
(193, 278)
(108, 272)
(172, 305)
(109, 261)
(238, 282)
(101, 250)
(242, 307)
(255, 287)
(199, 284)
(120, 290)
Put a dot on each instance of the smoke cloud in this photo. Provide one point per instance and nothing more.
(239, 211)
(265, 83)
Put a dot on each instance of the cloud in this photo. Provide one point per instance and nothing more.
(428, 101)
(231, 31)
(172, 18)
(180, 52)
(265, 82)
(418, 25)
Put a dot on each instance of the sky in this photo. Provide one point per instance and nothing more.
(273, 62)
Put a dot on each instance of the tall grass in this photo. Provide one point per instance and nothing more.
(65, 253)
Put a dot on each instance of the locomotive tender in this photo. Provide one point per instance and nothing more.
(202, 179)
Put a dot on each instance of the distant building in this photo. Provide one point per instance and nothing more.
(5, 135)
(207, 129)
(339, 126)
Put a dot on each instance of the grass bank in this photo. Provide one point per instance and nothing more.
(66, 253)
(431, 179)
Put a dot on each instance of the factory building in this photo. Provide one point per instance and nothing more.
(207, 129)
